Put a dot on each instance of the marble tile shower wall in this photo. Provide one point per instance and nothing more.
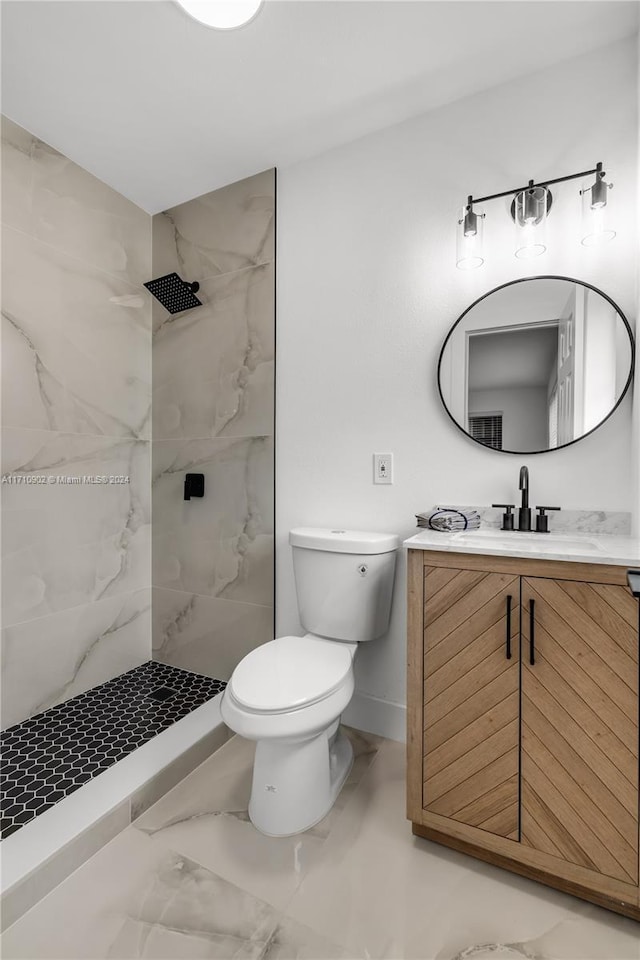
(213, 413)
(76, 401)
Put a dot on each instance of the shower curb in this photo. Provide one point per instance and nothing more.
(45, 851)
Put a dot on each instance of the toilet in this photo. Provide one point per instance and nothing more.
(288, 694)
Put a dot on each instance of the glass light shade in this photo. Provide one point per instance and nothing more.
(221, 14)
(531, 209)
(597, 224)
(469, 238)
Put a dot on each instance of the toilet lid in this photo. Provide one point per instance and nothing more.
(290, 672)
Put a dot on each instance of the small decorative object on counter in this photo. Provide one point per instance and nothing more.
(449, 519)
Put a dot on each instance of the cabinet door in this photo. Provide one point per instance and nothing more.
(471, 698)
(580, 724)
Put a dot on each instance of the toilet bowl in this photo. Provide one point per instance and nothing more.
(288, 694)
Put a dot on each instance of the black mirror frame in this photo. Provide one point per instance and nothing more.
(510, 283)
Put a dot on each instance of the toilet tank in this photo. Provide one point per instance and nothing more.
(344, 581)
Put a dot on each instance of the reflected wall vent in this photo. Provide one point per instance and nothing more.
(487, 429)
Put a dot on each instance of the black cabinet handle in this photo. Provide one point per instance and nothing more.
(509, 601)
(532, 648)
(633, 578)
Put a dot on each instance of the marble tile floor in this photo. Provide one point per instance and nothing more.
(192, 878)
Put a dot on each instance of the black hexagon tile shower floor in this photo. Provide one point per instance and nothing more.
(50, 755)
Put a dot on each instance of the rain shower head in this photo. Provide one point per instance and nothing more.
(174, 294)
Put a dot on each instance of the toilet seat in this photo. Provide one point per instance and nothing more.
(290, 673)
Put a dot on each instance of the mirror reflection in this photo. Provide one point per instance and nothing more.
(535, 364)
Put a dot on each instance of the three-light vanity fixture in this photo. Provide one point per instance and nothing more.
(530, 210)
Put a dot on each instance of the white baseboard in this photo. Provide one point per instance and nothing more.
(381, 717)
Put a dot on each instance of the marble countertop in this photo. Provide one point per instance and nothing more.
(572, 547)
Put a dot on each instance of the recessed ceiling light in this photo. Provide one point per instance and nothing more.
(221, 14)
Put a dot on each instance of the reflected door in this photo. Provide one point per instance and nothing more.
(566, 380)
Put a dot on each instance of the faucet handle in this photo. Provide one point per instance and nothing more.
(507, 516)
(542, 520)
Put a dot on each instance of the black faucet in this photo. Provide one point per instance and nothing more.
(524, 513)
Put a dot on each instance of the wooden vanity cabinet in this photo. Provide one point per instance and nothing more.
(523, 718)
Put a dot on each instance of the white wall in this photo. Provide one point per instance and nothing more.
(525, 417)
(367, 289)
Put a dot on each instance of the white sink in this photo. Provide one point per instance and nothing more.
(506, 539)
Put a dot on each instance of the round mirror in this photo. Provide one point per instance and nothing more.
(536, 364)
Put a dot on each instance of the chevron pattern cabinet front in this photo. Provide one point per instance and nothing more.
(522, 718)
(580, 724)
(471, 700)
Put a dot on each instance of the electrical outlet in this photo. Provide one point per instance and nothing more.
(383, 468)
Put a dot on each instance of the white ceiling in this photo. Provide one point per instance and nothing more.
(164, 109)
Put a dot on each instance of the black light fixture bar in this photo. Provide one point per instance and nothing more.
(545, 183)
